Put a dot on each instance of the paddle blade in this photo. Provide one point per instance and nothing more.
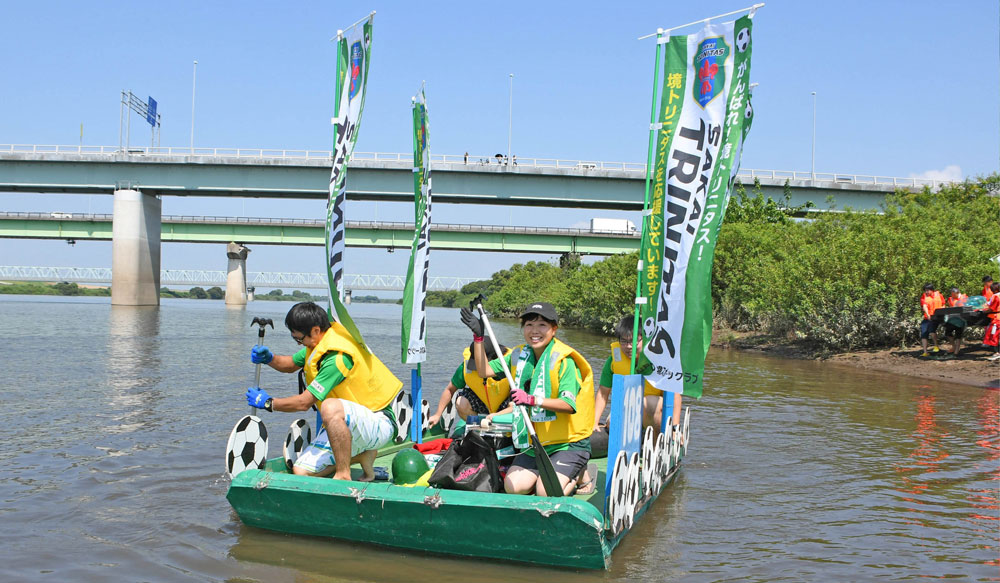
(247, 447)
(550, 480)
(299, 436)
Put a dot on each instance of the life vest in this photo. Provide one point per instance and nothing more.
(490, 391)
(567, 427)
(994, 307)
(622, 365)
(930, 303)
(959, 301)
(368, 383)
(987, 291)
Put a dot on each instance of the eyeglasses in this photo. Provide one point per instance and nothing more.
(298, 339)
(624, 342)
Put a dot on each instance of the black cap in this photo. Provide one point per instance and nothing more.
(543, 309)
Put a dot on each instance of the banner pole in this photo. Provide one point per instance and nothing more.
(660, 31)
(645, 201)
(340, 33)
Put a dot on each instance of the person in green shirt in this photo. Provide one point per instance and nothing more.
(556, 384)
(352, 389)
(476, 395)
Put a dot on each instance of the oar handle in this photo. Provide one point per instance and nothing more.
(503, 362)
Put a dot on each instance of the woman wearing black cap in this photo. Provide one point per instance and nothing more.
(557, 385)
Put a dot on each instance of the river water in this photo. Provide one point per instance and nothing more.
(115, 420)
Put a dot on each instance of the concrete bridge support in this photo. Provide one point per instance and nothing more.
(135, 249)
(236, 275)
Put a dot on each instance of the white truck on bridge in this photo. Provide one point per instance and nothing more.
(611, 226)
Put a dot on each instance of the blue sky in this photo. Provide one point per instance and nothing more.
(903, 89)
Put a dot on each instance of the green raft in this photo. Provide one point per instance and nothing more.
(563, 532)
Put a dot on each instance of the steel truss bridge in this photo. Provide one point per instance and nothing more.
(205, 277)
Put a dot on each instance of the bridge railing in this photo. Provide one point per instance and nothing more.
(375, 225)
(452, 160)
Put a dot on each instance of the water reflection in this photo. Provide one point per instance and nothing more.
(133, 367)
(985, 501)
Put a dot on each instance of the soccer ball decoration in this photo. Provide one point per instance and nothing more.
(247, 447)
(404, 413)
(425, 415)
(617, 502)
(449, 414)
(647, 462)
(299, 436)
(743, 39)
(748, 111)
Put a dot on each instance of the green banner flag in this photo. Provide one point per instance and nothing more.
(353, 56)
(414, 336)
(703, 116)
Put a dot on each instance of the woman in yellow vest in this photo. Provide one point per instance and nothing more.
(478, 396)
(349, 385)
(557, 385)
(619, 363)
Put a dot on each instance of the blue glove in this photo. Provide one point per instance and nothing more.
(261, 355)
(258, 397)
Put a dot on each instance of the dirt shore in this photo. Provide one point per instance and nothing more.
(970, 367)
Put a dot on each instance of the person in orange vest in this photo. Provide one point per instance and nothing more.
(992, 337)
(987, 287)
(930, 301)
(956, 298)
(954, 325)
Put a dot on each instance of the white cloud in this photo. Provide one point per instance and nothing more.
(950, 173)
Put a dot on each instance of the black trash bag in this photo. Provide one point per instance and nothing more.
(470, 464)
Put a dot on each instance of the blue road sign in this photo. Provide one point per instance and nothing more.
(151, 112)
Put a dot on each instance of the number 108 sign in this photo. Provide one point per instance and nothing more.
(624, 424)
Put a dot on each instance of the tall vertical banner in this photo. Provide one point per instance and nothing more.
(353, 56)
(703, 116)
(414, 336)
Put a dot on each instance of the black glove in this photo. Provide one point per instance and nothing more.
(479, 299)
(473, 322)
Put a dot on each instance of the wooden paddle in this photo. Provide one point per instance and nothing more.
(553, 488)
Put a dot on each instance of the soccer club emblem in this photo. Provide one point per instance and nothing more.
(710, 65)
(357, 61)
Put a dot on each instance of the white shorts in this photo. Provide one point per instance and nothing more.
(369, 430)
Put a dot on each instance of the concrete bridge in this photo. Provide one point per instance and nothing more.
(204, 277)
(389, 177)
(268, 231)
(139, 177)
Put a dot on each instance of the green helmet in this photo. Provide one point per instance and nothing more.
(408, 466)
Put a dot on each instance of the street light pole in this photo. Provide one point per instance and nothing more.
(510, 114)
(813, 171)
(194, 80)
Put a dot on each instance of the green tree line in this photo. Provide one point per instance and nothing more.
(836, 281)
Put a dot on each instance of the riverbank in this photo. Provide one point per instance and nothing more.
(970, 367)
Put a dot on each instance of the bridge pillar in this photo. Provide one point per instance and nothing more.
(135, 249)
(347, 297)
(236, 275)
(250, 293)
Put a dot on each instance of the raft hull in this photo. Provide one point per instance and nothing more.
(561, 532)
